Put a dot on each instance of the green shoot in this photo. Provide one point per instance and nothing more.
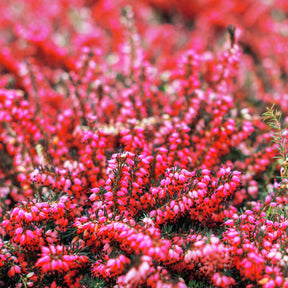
(273, 118)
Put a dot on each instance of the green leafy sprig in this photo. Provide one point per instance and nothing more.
(273, 118)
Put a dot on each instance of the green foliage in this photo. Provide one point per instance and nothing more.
(273, 118)
(198, 284)
(274, 214)
(89, 282)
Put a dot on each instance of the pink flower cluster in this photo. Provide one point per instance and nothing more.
(132, 151)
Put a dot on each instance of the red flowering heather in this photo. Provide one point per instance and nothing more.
(132, 148)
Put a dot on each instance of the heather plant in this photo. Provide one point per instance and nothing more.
(132, 148)
(273, 118)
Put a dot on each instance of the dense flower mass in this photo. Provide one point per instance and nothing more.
(132, 149)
